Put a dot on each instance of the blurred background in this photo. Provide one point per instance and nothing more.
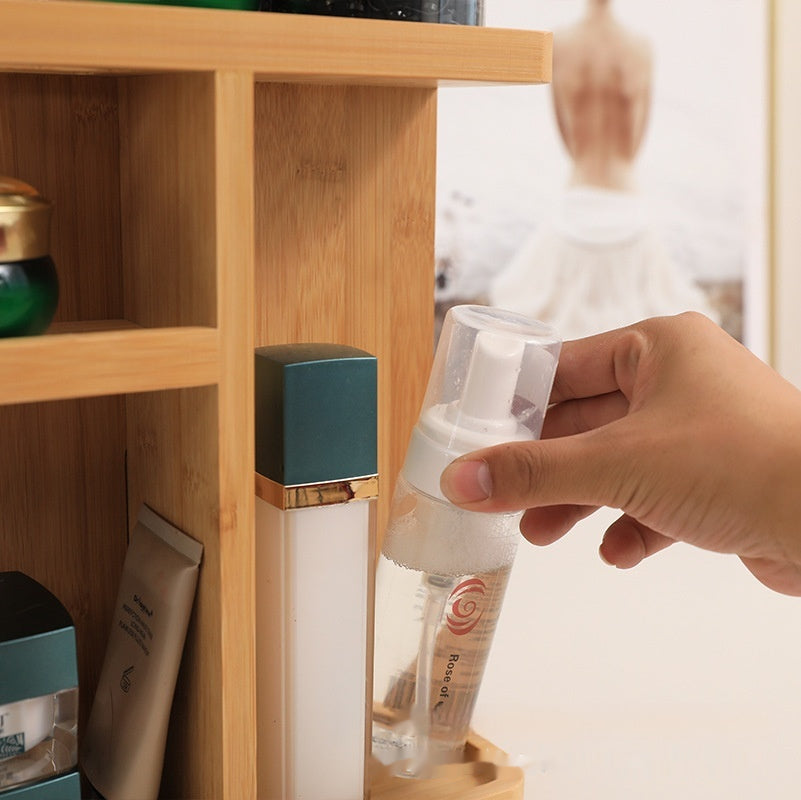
(680, 678)
(702, 167)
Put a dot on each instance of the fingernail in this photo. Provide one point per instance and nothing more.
(466, 481)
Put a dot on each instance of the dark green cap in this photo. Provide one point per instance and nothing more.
(316, 413)
(37, 641)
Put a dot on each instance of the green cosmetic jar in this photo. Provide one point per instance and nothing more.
(28, 279)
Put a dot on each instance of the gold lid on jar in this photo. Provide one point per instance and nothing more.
(24, 221)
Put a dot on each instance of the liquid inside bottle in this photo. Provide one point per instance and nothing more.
(440, 585)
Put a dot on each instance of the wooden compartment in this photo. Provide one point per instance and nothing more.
(63, 501)
(150, 248)
(128, 163)
(350, 258)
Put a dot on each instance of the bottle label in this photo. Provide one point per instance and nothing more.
(12, 745)
(460, 655)
(465, 609)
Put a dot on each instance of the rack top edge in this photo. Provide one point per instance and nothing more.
(99, 37)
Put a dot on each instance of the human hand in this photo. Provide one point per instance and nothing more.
(673, 422)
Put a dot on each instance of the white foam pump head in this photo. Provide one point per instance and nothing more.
(490, 383)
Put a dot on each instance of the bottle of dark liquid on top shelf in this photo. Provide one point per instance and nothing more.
(455, 12)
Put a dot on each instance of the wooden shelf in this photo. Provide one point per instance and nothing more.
(87, 362)
(221, 180)
(110, 37)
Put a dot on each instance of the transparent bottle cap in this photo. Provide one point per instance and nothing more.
(490, 383)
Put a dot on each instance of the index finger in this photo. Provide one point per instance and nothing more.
(577, 416)
(598, 365)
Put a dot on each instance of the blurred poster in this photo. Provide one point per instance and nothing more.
(634, 185)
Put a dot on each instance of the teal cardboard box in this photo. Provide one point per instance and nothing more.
(38, 691)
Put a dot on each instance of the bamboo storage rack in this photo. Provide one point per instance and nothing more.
(221, 180)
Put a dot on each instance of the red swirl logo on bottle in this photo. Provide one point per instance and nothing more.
(464, 613)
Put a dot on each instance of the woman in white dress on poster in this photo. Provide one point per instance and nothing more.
(597, 263)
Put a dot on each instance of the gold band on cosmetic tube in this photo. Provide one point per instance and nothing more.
(312, 495)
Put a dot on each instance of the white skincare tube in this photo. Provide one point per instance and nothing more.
(316, 487)
(123, 749)
(315, 602)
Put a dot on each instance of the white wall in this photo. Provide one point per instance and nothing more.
(680, 678)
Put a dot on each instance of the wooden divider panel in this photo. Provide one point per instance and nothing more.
(345, 183)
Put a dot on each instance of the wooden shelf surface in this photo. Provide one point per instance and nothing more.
(54, 35)
(109, 357)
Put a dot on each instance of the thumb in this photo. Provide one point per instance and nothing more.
(585, 469)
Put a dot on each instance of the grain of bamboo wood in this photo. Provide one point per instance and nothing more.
(220, 180)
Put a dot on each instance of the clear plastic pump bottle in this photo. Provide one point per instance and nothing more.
(443, 571)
